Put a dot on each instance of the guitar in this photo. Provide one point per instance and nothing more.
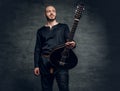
(64, 57)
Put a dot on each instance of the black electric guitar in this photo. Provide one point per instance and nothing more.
(63, 56)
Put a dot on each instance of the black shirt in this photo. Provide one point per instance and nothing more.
(48, 38)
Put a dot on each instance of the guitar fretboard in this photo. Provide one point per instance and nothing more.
(72, 32)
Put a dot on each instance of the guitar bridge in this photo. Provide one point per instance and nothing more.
(61, 63)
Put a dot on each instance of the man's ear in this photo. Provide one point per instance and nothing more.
(44, 15)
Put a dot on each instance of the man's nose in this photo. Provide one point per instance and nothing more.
(51, 13)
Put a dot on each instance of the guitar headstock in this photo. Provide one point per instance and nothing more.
(78, 12)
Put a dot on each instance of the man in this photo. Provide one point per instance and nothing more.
(49, 36)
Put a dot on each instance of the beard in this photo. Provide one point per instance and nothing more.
(50, 20)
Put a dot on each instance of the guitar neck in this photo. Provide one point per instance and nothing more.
(77, 17)
(72, 32)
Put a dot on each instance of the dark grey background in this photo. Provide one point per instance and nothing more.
(97, 37)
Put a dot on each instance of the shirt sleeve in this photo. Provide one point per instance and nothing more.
(67, 31)
(37, 50)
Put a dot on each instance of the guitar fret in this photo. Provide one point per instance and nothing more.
(76, 19)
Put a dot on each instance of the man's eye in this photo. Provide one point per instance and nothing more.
(53, 10)
(48, 11)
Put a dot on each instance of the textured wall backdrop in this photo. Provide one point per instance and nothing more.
(97, 37)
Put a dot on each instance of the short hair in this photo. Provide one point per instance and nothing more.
(49, 6)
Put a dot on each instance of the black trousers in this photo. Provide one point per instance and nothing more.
(61, 75)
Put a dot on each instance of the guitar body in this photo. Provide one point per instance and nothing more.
(67, 61)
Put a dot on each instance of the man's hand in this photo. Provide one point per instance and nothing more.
(70, 44)
(37, 71)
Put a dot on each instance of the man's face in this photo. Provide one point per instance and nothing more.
(50, 13)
